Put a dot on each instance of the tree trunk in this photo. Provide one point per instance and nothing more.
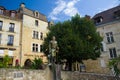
(70, 65)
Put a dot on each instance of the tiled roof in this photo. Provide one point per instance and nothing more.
(108, 15)
(7, 13)
(26, 11)
(32, 13)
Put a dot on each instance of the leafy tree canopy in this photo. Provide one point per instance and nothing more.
(77, 39)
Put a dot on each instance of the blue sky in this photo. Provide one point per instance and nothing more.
(60, 10)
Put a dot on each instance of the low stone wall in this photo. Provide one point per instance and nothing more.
(66, 75)
(23, 74)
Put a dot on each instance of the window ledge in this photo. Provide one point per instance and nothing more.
(110, 42)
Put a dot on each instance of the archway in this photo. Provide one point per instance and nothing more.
(27, 63)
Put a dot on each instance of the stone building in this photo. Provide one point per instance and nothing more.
(33, 32)
(108, 26)
(10, 25)
(22, 33)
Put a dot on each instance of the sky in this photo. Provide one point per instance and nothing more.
(61, 10)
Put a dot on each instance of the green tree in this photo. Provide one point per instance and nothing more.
(37, 63)
(77, 40)
(6, 60)
(115, 64)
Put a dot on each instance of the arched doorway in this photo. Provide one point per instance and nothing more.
(27, 63)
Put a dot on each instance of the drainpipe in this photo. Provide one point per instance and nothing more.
(21, 35)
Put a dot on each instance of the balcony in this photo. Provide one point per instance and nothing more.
(10, 44)
(11, 29)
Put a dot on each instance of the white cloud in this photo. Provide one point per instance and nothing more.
(60, 6)
(71, 10)
(64, 8)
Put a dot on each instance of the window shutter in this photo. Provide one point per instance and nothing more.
(104, 46)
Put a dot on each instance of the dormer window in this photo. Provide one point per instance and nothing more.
(117, 14)
(98, 20)
(36, 14)
(1, 11)
(12, 14)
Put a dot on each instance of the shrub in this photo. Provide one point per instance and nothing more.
(37, 63)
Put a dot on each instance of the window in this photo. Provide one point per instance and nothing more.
(101, 47)
(12, 14)
(1, 24)
(36, 14)
(110, 38)
(35, 47)
(18, 74)
(11, 28)
(41, 48)
(36, 22)
(10, 40)
(41, 36)
(1, 11)
(0, 38)
(112, 53)
(117, 14)
(35, 34)
(98, 19)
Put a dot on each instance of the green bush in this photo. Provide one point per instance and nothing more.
(5, 62)
(37, 63)
(114, 63)
(1, 64)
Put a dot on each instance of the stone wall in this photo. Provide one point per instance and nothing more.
(23, 74)
(66, 75)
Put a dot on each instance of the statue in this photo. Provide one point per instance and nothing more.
(53, 59)
(53, 49)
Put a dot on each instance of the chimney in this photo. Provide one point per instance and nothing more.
(87, 16)
(22, 5)
(50, 23)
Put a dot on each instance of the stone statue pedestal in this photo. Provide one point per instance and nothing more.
(54, 72)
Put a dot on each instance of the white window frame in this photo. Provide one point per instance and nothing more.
(114, 54)
(110, 38)
(1, 25)
(1, 11)
(13, 14)
(35, 34)
(104, 46)
(10, 39)
(11, 27)
(36, 22)
(36, 47)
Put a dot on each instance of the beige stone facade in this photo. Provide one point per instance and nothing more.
(10, 35)
(113, 27)
(101, 64)
(108, 26)
(31, 38)
(33, 32)
(22, 33)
